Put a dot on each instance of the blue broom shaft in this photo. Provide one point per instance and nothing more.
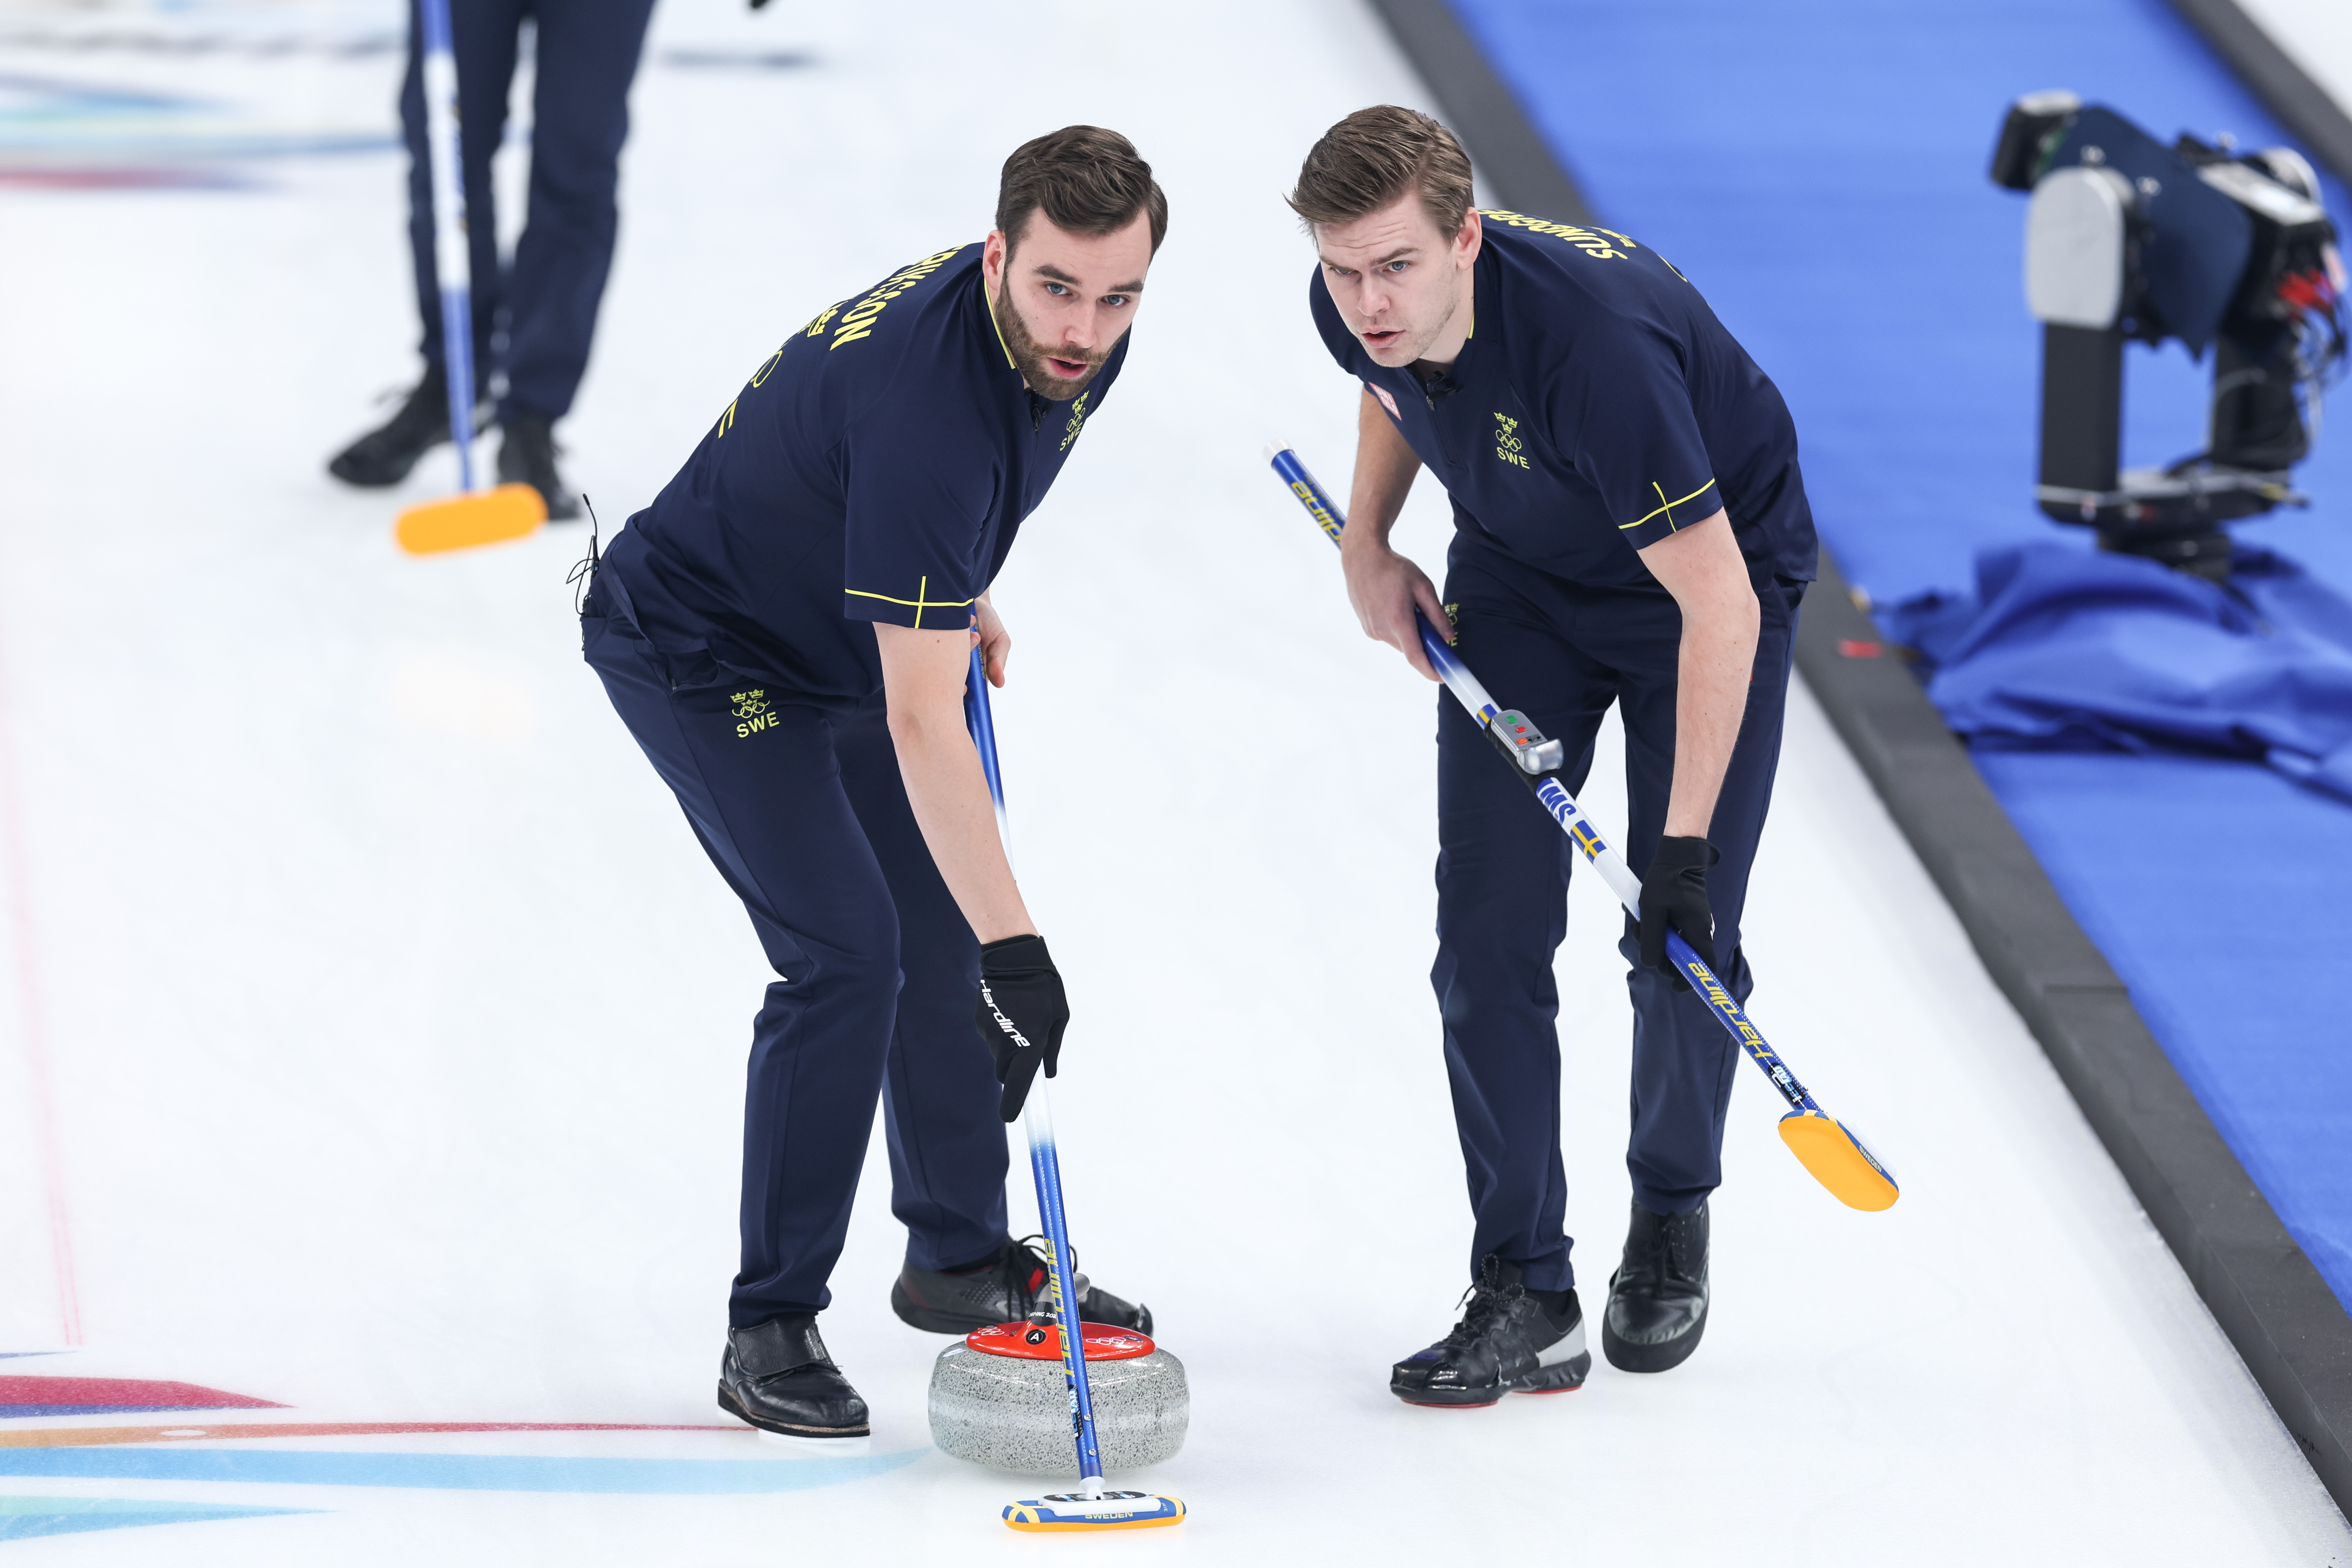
(1037, 1122)
(983, 724)
(1044, 1163)
(445, 155)
(1611, 865)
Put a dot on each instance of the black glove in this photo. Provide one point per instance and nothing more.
(1674, 893)
(1022, 1014)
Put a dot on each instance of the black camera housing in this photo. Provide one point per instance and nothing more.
(2131, 239)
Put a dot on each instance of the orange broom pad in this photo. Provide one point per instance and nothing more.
(461, 523)
(1838, 1160)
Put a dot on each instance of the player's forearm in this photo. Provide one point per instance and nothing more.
(1385, 466)
(1718, 652)
(1703, 568)
(950, 796)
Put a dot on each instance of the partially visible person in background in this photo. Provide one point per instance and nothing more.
(538, 313)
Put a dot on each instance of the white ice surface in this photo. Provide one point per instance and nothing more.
(395, 1023)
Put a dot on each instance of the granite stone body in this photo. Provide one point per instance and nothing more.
(1014, 1414)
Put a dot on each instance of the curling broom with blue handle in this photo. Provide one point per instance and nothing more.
(471, 517)
(1838, 1159)
(1091, 1507)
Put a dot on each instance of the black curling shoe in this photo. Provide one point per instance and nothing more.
(1658, 1297)
(526, 456)
(384, 455)
(1000, 1290)
(1511, 1340)
(778, 1377)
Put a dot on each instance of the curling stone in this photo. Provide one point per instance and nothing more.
(1000, 1399)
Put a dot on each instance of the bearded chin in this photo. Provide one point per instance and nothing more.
(1053, 387)
(1031, 356)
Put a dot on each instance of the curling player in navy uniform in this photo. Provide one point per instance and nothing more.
(1630, 528)
(786, 631)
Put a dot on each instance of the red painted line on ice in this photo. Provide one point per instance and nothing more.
(187, 1432)
(34, 1016)
(40, 1394)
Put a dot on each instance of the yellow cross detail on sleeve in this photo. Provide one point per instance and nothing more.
(1665, 505)
(921, 600)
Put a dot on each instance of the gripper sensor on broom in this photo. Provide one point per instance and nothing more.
(988, 1404)
(471, 517)
(1831, 1150)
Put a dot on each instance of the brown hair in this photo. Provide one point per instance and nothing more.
(1375, 155)
(1086, 180)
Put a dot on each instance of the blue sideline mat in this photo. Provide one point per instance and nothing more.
(1818, 168)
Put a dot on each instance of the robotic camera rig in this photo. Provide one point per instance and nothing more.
(2126, 238)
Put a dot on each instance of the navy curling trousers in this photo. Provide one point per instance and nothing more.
(587, 56)
(1562, 654)
(802, 812)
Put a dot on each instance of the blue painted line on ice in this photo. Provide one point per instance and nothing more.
(23, 1518)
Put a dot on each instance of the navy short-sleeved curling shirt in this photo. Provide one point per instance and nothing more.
(876, 467)
(1598, 406)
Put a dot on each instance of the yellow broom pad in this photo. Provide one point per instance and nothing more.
(1838, 1160)
(1057, 1526)
(1113, 1511)
(461, 523)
